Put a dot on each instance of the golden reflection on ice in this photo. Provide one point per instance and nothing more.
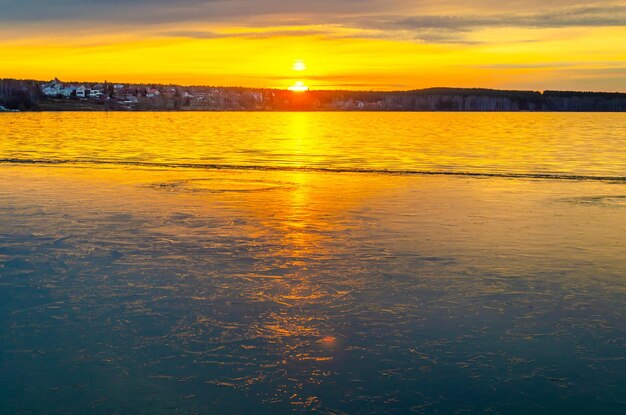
(302, 213)
(250, 277)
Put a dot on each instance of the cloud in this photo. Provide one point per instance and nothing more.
(449, 21)
(596, 65)
(409, 13)
(575, 17)
(204, 34)
(456, 28)
(164, 11)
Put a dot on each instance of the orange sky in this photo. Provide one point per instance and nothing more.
(367, 44)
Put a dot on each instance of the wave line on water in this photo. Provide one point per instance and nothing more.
(398, 172)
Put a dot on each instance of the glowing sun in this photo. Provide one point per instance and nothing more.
(298, 65)
(299, 87)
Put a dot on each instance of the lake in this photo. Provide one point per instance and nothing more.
(331, 263)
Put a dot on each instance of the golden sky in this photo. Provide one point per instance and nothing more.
(341, 44)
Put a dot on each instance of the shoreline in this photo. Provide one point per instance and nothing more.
(69, 110)
(57, 96)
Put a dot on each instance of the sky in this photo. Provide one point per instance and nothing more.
(323, 44)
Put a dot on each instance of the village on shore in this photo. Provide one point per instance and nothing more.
(147, 97)
(113, 96)
(56, 95)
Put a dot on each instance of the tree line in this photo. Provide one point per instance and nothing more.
(26, 95)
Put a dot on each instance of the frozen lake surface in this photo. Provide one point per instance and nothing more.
(268, 263)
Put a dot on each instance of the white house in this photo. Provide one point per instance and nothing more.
(94, 93)
(52, 88)
(81, 91)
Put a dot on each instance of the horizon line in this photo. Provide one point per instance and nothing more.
(312, 89)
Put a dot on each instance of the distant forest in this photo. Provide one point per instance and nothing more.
(27, 95)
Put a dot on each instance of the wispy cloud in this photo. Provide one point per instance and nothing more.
(396, 14)
(265, 34)
(451, 22)
(164, 11)
(599, 65)
(568, 17)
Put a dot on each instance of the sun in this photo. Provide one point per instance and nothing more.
(298, 65)
(298, 87)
